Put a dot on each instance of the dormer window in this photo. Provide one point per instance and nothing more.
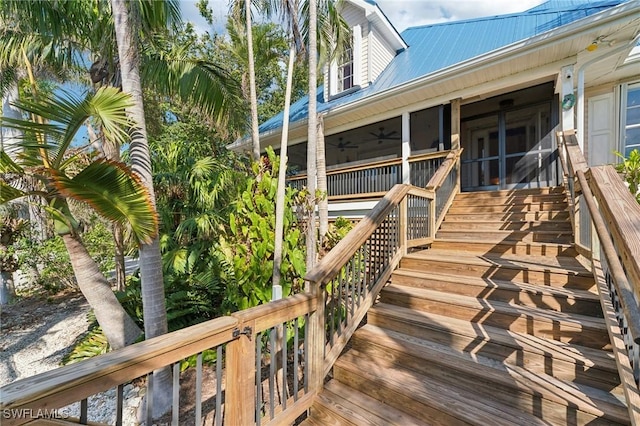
(345, 70)
(345, 73)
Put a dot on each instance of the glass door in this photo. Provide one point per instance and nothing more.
(481, 154)
(509, 149)
(529, 159)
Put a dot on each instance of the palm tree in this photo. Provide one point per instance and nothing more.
(332, 36)
(155, 320)
(312, 136)
(108, 187)
(255, 132)
(59, 35)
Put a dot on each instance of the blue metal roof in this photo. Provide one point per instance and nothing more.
(434, 47)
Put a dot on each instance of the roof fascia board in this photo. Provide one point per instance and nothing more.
(511, 51)
(373, 10)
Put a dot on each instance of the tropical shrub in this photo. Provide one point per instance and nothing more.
(630, 169)
(246, 247)
(49, 259)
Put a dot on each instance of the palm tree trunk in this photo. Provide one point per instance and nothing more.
(153, 301)
(116, 324)
(276, 292)
(155, 316)
(255, 132)
(312, 133)
(323, 203)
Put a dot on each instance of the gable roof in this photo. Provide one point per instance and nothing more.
(439, 46)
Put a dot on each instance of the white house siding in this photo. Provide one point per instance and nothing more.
(381, 54)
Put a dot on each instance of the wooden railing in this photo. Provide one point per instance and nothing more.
(600, 202)
(376, 178)
(270, 360)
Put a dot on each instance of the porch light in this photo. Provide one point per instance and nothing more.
(595, 43)
(593, 46)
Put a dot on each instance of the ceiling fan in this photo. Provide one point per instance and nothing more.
(343, 145)
(381, 136)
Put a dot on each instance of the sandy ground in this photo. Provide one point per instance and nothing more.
(36, 333)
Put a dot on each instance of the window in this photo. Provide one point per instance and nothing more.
(630, 118)
(345, 70)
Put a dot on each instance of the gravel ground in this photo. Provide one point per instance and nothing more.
(36, 333)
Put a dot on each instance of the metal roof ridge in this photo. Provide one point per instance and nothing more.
(526, 13)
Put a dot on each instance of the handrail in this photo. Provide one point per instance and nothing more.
(628, 300)
(347, 285)
(628, 297)
(106, 371)
(440, 175)
(331, 263)
(611, 210)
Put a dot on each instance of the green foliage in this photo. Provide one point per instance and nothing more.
(337, 231)
(248, 243)
(89, 345)
(12, 228)
(630, 168)
(51, 259)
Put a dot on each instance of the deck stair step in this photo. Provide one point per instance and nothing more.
(433, 402)
(580, 329)
(544, 270)
(498, 322)
(516, 386)
(551, 190)
(465, 215)
(510, 200)
(498, 225)
(506, 247)
(340, 404)
(496, 236)
(509, 208)
(565, 360)
(556, 298)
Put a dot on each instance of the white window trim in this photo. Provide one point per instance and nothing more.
(357, 64)
(624, 89)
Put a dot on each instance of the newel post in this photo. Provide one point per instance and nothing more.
(240, 392)
(316, 338)
(404, 224)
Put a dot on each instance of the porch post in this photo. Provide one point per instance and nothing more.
(567, 98)
(455, 123)
(406, 147)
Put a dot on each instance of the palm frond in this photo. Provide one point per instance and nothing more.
(7, 165)
(115, 193)
(196, 80)
(9, 193)
(8, 77)
(65, 115)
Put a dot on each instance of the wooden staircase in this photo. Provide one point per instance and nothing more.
(498, 322)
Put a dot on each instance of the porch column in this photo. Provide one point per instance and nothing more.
(406, 147)
(455, 123)
(567, 97)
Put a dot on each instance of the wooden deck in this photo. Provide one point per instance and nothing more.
(498, 322)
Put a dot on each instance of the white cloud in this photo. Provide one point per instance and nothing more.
(401, 13)
(411, 13)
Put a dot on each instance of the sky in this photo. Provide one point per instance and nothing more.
(401, 13)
